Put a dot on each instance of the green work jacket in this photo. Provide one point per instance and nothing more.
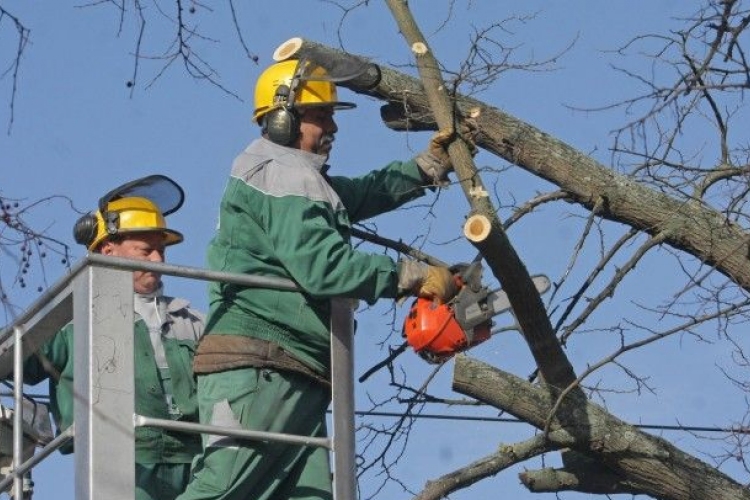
(282, 216)
(182, 331)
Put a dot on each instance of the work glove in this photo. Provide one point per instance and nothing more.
(435, 162)
(434, 282)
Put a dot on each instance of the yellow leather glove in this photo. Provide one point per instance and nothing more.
(439, 284)
(435, 162)
(426, 281)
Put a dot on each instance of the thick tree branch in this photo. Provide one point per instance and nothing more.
(652, 465)
(497, 250)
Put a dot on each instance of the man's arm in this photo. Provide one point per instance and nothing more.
(381, 190)
(316, 254)
(50, 359)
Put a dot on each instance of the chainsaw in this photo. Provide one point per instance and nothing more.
(438, 331)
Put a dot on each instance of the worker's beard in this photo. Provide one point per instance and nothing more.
(325, 145)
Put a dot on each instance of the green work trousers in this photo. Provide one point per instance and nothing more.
(160, 481)
(261, 400)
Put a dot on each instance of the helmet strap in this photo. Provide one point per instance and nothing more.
(111, 221)
(294, 84)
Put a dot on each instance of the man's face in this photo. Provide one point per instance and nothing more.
(141, 246)
(317, 129)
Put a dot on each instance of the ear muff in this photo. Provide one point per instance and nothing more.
(282, 126)
(84, 230)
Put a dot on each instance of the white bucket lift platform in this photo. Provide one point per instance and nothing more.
(97, 296)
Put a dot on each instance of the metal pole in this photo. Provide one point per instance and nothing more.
(99, 292)
(103, 385)
(141, 421)
(18, 412)
(166, 269)
(342, 387)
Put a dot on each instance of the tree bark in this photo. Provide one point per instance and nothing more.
(504, 457)
(651, 465)
(580, 473)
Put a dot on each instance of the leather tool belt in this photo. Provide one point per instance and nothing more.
(218, 353)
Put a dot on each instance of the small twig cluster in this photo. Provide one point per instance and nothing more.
(26, 250)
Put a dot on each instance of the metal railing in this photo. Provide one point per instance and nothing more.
(97, 296)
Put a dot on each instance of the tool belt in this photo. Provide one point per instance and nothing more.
(217, 353)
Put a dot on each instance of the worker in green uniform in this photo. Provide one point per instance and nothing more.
(264, 363)
(131, 225)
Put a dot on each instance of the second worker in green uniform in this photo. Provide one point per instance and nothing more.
(166, 332)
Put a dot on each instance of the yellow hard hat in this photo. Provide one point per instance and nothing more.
(123, 216)
(308, 82)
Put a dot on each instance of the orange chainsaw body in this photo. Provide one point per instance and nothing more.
(432, 330)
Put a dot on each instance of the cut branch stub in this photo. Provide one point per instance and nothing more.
(287, 49)
(477, 228)
(343, 68)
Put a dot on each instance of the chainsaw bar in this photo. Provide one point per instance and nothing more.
(473, 307)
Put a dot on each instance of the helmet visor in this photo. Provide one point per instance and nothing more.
(340, 70)
(308, 91)
(165, 193)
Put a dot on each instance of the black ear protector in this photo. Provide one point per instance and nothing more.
(282, 124)
(84, 230)
(86, 227)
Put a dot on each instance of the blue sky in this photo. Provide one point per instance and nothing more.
(79, 132)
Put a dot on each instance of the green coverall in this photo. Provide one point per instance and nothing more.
(163, 458)
(283, 216)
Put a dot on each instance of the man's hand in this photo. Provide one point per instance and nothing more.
(435, 162)
(434, 282)
(439, 283)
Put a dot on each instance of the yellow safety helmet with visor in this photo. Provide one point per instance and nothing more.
(307, 85)
(135, 207)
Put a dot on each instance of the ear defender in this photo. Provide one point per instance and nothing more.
(282, 126)
(84, 230)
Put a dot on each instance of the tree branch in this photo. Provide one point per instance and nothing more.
(580, 473)
(496, 248)
(652, 465)
(504, 457)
